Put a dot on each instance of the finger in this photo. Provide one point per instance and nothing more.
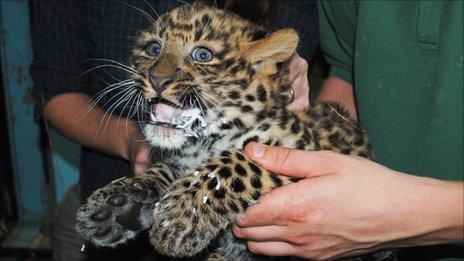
(296, 66)
(143, 154)
(290, 162)
(270, 209)
(299, 105)
(265, 233)
(272, 248)
(301, 90)
(139, 168)
(273, 208)
(141, 160)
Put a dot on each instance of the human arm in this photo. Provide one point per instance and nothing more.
(337, 87)
(60, 46)
(70, 115)
(337, 43)
(338, 90)
(348, 205)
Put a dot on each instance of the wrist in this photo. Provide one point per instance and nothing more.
(126, 133)
(337, 90)
(432, 213)
(443, 208)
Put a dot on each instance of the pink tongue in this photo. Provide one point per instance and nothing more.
(166, 113)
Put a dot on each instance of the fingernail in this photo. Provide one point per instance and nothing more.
(257, 150)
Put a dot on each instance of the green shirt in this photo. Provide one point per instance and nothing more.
(405, 61)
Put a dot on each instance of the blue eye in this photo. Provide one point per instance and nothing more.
(154, 49)
(202, 54)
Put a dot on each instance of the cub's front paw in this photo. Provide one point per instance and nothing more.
(190, 214)
(118, 211)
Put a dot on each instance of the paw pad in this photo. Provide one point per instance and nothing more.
(102, 232)
(102, 215)
(117, 201)
(117, 212)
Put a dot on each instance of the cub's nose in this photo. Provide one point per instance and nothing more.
(160, 83)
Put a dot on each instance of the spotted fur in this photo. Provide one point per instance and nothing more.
(193, 194)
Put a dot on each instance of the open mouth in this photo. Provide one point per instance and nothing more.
(167, 114)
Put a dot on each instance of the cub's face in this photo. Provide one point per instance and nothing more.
(200, 67)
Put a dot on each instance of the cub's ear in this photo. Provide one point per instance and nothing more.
(277, 47)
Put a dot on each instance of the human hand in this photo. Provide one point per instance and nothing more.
(298, 68)
(139, 156)
(343, 205)
(138, 150)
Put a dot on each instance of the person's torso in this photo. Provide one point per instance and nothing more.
(408, 78)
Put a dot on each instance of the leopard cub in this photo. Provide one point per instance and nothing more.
(212, 82)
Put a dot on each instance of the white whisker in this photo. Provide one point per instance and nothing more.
(107, 90)
(147, 15)
(113, 107)
(109, 65)
(113, 61)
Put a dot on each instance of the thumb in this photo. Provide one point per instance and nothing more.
(290, 162)
(141, 160)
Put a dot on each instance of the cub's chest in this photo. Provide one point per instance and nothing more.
(191, 157)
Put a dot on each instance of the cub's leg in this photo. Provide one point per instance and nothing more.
(231, 248)
(121, 209)
(197, 207)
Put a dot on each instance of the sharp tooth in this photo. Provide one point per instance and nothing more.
(202, 121)
(152, 118)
